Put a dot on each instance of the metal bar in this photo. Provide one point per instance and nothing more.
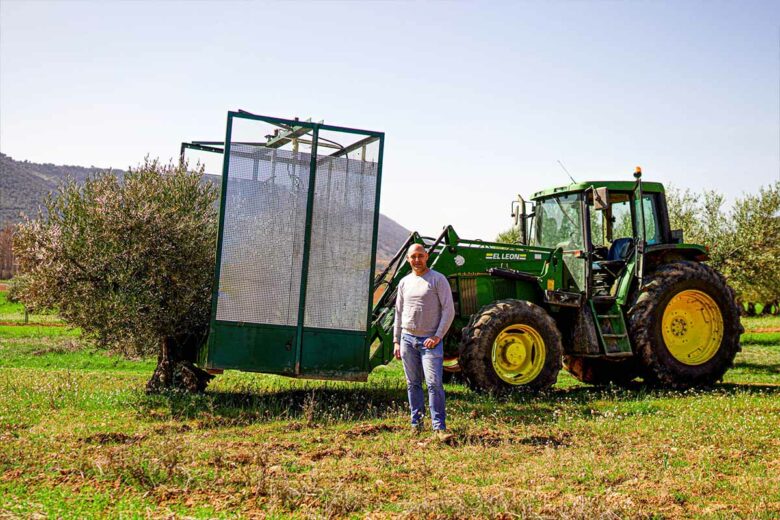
(292, 122)
(281, 140)
(348, 130)
(278, 121)
(357, 144)
(379, 280)
(221, 233)
(341, 150)
(322, 144)
(203, 148)
(222, 143)
(639, 243)
(295, 128)
(306, 250)
(432, 249)
(374, 233)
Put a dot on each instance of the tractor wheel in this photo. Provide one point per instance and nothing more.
(684, 324)
(511, 345)
(597, 371)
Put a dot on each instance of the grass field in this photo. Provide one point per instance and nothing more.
(79, 438)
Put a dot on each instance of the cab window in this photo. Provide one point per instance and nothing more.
(558, 223)
(603, 233)
(652, 231)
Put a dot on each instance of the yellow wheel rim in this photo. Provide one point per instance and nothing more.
(518, 354)
(692, 327)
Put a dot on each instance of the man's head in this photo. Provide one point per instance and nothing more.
(418, 259)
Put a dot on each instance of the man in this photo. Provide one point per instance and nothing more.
(423, 312)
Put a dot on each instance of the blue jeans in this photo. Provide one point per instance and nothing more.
(424, 362)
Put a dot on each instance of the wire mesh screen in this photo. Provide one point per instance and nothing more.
(262, 244)
(337, 288)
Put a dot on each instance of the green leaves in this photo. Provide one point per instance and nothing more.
(130, 261)
(744, 242)
(510, 236)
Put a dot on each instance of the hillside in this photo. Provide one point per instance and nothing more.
(24, 184)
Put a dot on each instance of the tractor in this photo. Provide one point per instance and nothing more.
(597, 282)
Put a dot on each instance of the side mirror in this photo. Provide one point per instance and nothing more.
(521, 219)
(601, 199)
(677, 236)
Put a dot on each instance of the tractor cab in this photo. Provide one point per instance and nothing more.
(602, 227)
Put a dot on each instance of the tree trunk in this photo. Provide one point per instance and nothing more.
(173, 372)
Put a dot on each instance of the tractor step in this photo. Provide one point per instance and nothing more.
(620, 355)
(611, 327)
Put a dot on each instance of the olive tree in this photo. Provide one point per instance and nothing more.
(131, 262)
(744, 242)
(753, 250)
(509, 236)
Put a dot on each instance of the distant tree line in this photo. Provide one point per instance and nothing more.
(743, 241)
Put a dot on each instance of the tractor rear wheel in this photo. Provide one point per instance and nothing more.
(684, 324)
(597, 371)
(511, 345)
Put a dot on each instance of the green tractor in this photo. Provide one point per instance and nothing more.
(599, 283)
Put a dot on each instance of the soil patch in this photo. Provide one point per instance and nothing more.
(113, 438)
(370, 429)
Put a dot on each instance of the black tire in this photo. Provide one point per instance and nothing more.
(476, 358)
(601, 372)
(646, 314)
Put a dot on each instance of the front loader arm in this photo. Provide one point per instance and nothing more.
(524, 272)
(380, 334)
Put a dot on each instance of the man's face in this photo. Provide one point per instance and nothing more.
(417, 258)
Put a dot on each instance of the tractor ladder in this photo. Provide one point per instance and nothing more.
(611, 326)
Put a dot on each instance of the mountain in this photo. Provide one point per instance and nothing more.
(24, 184)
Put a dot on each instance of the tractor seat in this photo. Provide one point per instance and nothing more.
(618, 253)
(620, 249)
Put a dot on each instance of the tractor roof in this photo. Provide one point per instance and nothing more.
(648, 187)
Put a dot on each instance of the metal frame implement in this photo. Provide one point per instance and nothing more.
(296, 247)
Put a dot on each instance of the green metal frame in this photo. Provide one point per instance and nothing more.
(335, 353)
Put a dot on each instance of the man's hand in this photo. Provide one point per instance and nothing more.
(431, 342)
(397, 351)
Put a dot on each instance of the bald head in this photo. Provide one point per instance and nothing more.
(418, 259)
(415, 248)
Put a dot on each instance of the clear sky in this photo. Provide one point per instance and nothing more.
(479, 100)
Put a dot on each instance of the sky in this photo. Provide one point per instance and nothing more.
(479, 100)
